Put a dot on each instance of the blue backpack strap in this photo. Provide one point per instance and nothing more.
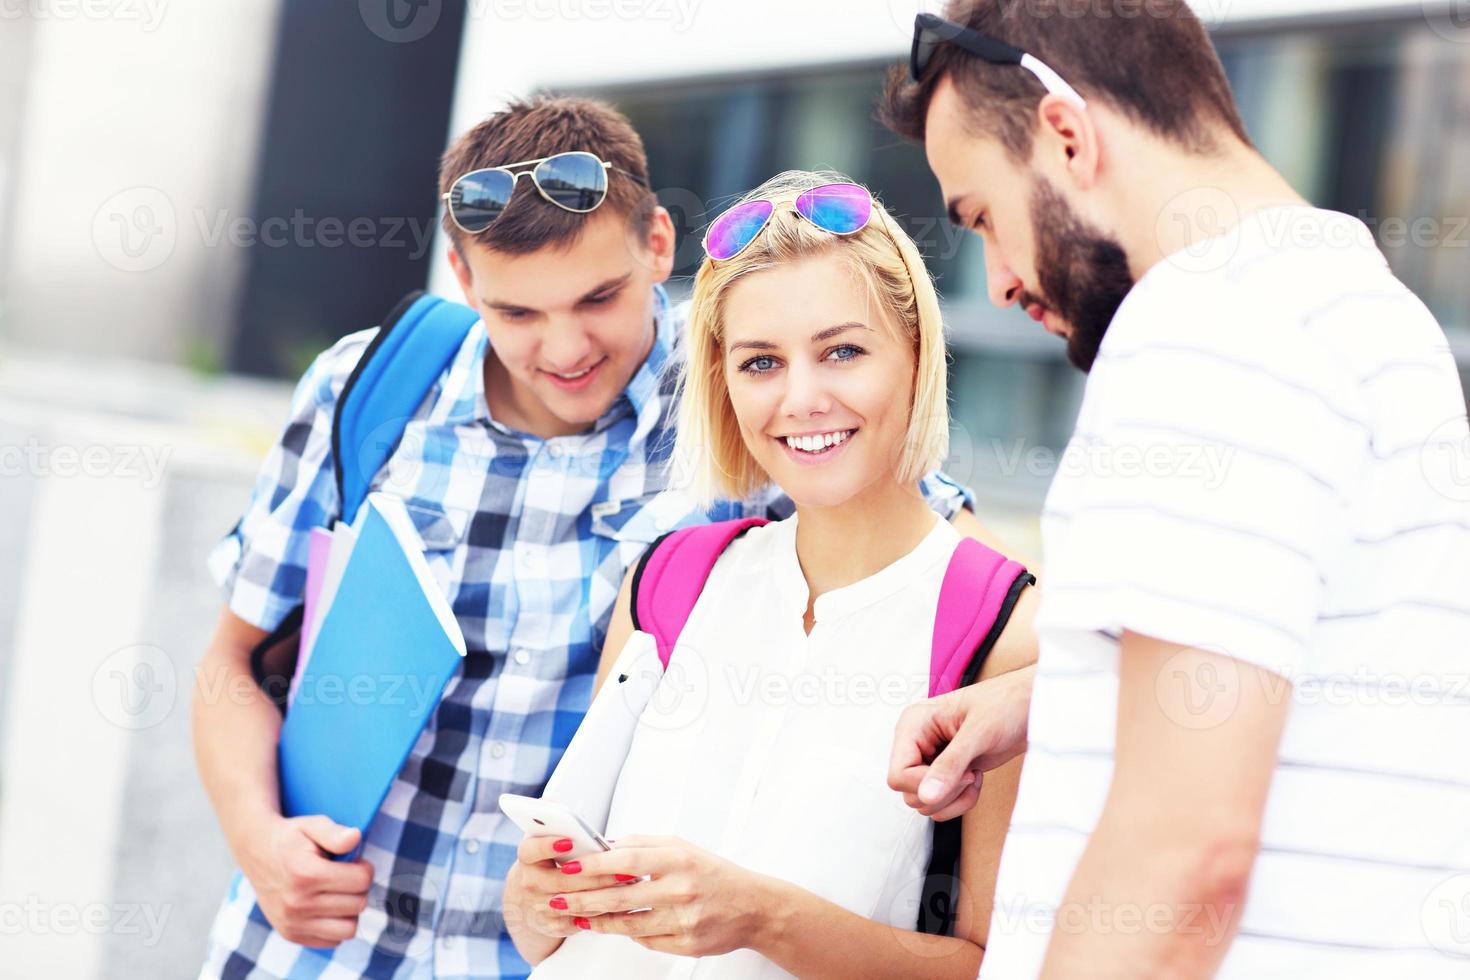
(416, 342)
(981, 587)
(671, 575)
(414, 345)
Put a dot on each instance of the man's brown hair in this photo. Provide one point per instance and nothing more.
(540, 127)
(1149, 59)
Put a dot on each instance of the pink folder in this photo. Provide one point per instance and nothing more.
(318, 550)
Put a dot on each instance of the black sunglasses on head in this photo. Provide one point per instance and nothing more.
(930, 31)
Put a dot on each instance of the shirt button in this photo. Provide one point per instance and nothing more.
(497, 749)
(553, 450)
(523, 657)
(472, 846)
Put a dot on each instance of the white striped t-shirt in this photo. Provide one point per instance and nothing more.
(1272, 462)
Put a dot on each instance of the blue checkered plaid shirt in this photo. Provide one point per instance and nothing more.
(530, 539)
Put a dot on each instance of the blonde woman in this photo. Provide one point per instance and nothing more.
(758, 833)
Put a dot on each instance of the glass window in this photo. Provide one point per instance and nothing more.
(1372, 119)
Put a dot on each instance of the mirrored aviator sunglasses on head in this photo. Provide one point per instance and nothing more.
(838, 208)
(574, 181)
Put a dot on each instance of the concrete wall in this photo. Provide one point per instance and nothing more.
(115, 479)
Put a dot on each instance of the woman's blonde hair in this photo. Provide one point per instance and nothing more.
(711, 460)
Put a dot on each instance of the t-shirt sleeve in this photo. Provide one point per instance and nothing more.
(1208, 488)
(260, 565)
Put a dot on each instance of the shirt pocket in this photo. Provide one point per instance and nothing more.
(644, 518)
(626, 527)
(440, 530)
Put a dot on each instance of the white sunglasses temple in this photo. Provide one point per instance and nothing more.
(1054, 83)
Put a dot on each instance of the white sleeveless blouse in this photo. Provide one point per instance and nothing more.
(770, 747)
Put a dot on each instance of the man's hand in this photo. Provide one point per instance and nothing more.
(943, 746)
(310, 899)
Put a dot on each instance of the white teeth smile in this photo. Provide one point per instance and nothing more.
(574, 377)
(819, 443)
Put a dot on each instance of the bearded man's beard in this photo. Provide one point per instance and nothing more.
(1082, 271)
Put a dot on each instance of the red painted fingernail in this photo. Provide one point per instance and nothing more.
(559, 903)
(563, 845)
(627, 877)
(581, 923)
(571, 867)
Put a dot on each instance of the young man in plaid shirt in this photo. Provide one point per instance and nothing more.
(533, 471)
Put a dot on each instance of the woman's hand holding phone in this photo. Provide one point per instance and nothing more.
(548, 868)
(541, 878)
(674, 897)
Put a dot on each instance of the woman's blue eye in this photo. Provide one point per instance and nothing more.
(759, 364)
(852, 351)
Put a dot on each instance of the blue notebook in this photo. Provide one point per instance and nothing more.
(386, 648)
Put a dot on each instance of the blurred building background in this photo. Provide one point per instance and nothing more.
(195, 199)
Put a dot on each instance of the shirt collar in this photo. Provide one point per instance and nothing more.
(936, 546)
(648, 380)
(644, 396)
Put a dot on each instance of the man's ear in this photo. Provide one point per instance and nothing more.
(465, 276)
(656, 250)
(1067, 141)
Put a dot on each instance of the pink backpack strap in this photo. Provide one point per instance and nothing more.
(672, 574)
(981, 587)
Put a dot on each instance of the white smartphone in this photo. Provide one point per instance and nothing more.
(540, 818)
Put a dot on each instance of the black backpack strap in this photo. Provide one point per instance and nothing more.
(273, 659)
(939, 902)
